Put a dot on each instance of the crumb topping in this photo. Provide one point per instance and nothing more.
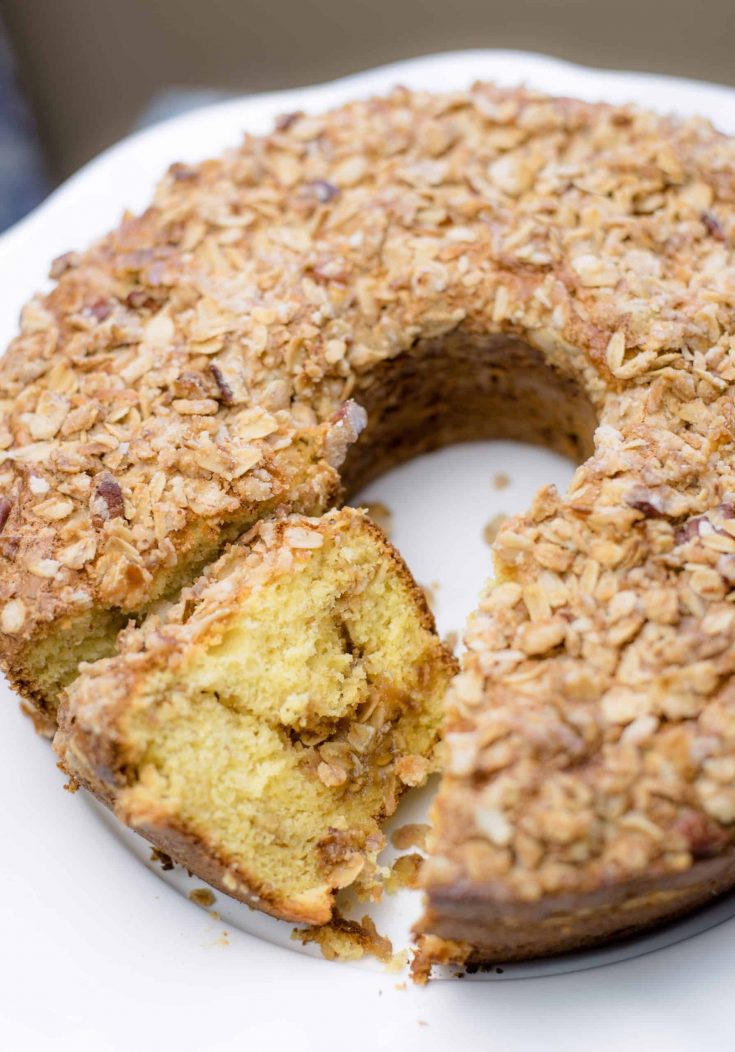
(182, 366)
(404, 872)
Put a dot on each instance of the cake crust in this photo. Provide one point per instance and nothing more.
(494, 930)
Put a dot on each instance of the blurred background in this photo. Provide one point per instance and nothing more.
(76, 75)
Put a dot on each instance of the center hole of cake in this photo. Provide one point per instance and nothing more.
(463, 429)
(441, 510)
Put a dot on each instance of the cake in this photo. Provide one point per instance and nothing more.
(259, 730)
(286, 322)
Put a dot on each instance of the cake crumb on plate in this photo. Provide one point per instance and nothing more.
(413, 834)
(202, 897)
(381, 515)
(342, 939)
(165, 861)
(404, 872)
(430, 950)
(490, 530)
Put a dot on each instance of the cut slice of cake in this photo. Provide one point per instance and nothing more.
(259, 730)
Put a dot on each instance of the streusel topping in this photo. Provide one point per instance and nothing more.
(162, 379)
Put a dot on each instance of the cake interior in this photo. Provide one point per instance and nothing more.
(54, 661)
(280, 742)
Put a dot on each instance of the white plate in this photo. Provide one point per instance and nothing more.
(98, 953)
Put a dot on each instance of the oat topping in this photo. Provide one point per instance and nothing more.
(591, 735)
(172, 372)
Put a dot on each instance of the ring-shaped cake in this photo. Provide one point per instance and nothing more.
(484, 264)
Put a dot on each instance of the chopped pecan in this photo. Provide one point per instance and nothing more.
(713, 226)
(646, 508)
(704, 836)
(139, 298)
(62, 263)
(226, 393)
(688, 530)
(650, 503)
(192, 385)
(693, 527)
(101, 309)
(182, 173)
(285, 120)
(5, 509)
(107, 502)
(322, 190)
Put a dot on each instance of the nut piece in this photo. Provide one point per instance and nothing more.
(108, 502)
(301, 537)
(5, 509)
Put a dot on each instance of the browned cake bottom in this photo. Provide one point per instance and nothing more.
(497, 932)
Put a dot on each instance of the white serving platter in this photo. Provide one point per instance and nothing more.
(100, 949)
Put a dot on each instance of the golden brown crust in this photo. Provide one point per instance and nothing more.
(192, 369)
(191, 850)
(88, 755)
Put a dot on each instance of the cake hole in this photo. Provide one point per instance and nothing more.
(441, 502)
(462, 388)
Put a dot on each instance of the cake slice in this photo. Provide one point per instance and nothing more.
(259, 730)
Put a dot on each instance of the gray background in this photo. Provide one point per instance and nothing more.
(92, 66)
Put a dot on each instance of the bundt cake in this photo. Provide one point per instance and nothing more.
(259, 729)
(473, 265)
